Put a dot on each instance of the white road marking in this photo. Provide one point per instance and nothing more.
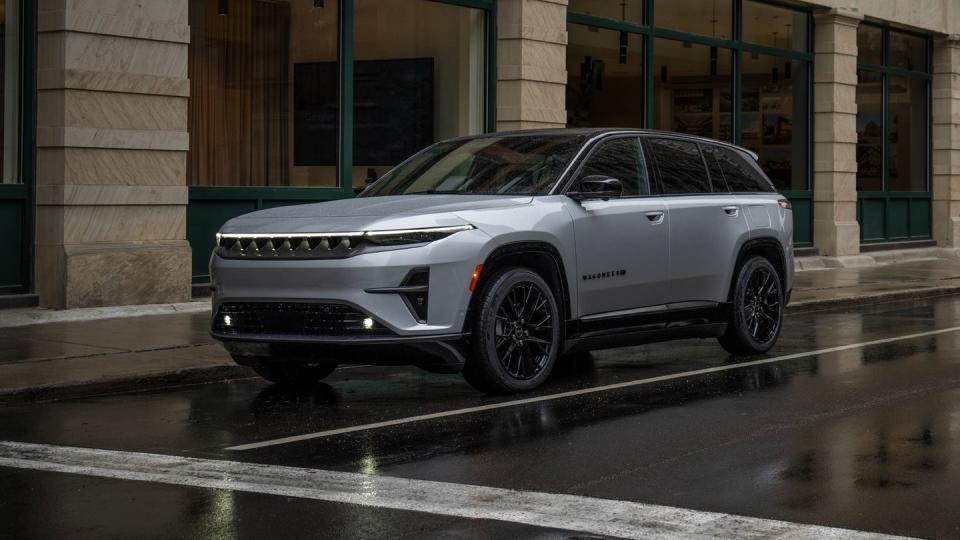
(589, 515)
(580, 392)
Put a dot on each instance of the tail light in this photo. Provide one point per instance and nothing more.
(785, 204)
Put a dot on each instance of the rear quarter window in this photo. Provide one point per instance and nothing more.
(740, 175)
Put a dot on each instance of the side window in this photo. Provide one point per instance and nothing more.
(740, 175)
(716, 174)
(621, 159)
(680, 165)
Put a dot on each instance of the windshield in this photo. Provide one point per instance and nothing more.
(511, 165)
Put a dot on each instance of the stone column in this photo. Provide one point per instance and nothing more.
(946, 141)
(111, 152)
(835, 228)
(531, 64)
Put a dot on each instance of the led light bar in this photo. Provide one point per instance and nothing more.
(324, 245)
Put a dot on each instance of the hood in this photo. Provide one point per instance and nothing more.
(368, 213)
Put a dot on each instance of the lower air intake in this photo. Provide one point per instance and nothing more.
(295, 319)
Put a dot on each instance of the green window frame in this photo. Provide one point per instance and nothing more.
(887, 215)
(210, 206)
(802, 199)
(17, 201)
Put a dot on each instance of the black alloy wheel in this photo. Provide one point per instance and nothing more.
(756, 316)
(524, 331)
(762, 305)
(516, 334)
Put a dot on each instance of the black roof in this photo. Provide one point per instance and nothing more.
(595, 131)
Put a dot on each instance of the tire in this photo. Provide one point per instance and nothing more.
(516, 333)
(757, 309)
(291, 374)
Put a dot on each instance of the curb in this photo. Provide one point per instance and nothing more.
(153, 381)
(878, 298)
(872, 259)
(26, 317)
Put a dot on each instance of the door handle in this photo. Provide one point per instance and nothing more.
(655, 218)
(732, 211)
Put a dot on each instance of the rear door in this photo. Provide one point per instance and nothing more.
(622, 243)
(756, 194)
(706, 222)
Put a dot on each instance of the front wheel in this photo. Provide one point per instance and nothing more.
(516, 333)
(757, 309)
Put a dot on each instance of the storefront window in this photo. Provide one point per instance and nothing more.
(908, 52)
(418, 78)
(907, 164)
(692, 90)
(869, 131)
(869, 44)
(620, 10)
(774, 26)
(604, 78)
(892, 151)
(9, 96)
(265, 87)
(774, 117)
(712, 18)
(263, 93)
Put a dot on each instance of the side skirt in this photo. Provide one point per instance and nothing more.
(668, 324)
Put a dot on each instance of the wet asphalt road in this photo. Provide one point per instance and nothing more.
(865, 438)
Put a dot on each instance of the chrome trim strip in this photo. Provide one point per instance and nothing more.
(624, 312)
(451, 229)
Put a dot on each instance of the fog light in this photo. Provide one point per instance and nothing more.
(367, 323)
(227, 321)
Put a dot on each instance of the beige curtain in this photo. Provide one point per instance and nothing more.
(238, 113)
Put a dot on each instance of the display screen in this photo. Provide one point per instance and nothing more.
(392, 111)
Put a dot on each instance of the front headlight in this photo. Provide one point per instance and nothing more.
(325, 245)
(412, 236)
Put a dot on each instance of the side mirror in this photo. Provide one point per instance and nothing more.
(597, 186)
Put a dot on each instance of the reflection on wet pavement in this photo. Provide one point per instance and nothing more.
(865, 438)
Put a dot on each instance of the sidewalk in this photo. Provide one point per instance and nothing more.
(108, 350)
(815, 289)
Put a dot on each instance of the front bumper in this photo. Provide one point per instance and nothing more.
(450, 261)
(394, 333)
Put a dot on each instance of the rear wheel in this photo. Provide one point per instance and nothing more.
(516, 333)
(757, 309)
(289, 373)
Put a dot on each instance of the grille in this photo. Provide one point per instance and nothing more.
(289, 247)
(295, 319)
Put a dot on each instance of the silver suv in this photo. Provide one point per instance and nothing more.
(496, 255)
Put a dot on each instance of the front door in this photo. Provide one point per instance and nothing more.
(622, 243)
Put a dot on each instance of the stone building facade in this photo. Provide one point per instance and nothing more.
(133, 128)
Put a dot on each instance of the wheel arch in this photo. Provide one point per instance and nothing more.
(541, 257)
(766, 247)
